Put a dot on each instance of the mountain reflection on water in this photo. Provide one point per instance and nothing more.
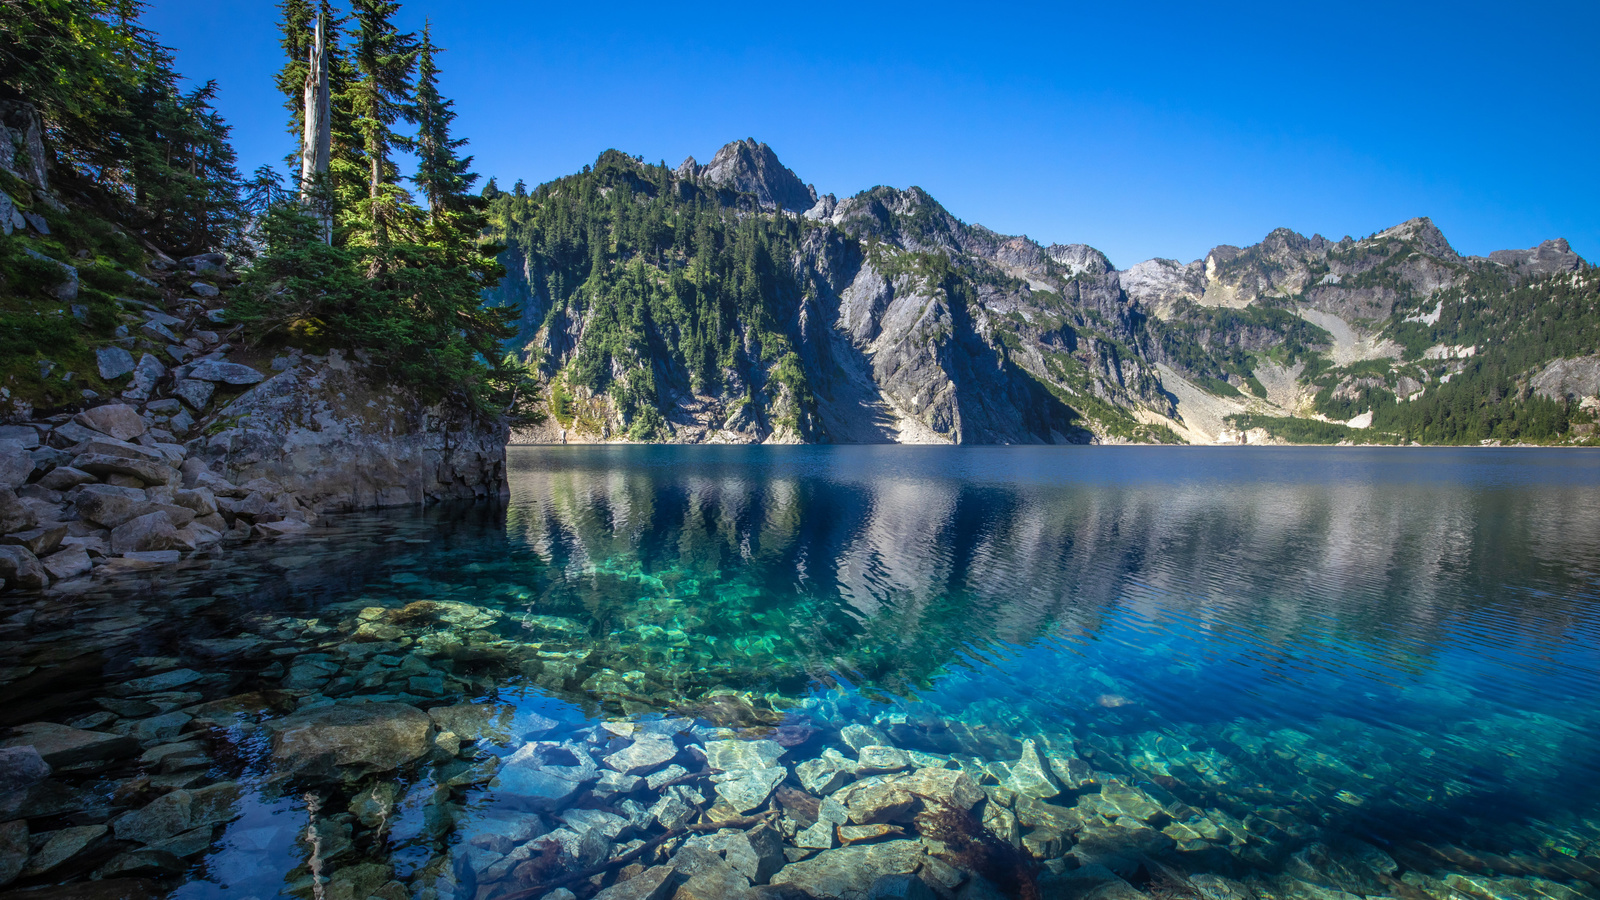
(1298, 674)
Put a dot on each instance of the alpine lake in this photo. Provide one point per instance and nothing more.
(810, 672)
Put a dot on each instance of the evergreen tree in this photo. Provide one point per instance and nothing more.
(384, 58)
(442, 176)
(393, 280)
(116, 124)
(295, 30)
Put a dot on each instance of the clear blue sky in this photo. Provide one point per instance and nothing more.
(1144, 130)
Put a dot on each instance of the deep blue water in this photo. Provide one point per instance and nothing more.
(1399, 647)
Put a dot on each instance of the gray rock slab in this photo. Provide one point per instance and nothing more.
(225, 372)
(62, 846)
(646, 754)
(655, 883)
(850, 872)
(118, 420)
(16, 464)
(20, 568)
(730, 756)
(60, 745)
(749, 788)
(354, 737)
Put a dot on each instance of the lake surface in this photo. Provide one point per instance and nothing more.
(1101, 673)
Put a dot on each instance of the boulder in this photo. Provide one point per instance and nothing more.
(730, 756)
(205, 263)
(1031, 775)
(707, 877)
(16, 464)
(108, 506)
(152, 530)
(118, 420)
(873, 759)
(646, 754)
(62, 846)
(822, 775)
(20, 568)
(103, 466)
(26, 435)
(544, 775)
(65, 478)
(172, 814)
(14, 515)
(68, 563)
(114, 362)
(747, 789)
(876, 801)
(194, 392)
(39, 541)
(224, 372)
(850, 872)
(900, 887)
(146, 375)
(655, 883)
(70, 434)
(105, 446)
(946, 787)
(856, 736)
(756, 854)
(352, 738)
(61, 745)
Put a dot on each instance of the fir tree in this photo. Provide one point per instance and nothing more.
(384, 58)
(295, 29)
(442, 176)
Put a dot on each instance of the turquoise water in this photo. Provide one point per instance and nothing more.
(1289, 673)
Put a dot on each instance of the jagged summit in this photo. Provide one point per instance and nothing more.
(1548, 257)
(1424, 233)
(751, 167)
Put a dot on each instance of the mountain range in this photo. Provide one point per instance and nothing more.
(730, 302)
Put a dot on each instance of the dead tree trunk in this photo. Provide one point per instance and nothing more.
(316, 145)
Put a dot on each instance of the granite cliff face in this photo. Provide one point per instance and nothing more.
(910, 325)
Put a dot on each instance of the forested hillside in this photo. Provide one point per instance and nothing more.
(730, 302)
(650, 286)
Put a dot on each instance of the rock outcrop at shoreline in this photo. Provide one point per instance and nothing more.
(225, 446)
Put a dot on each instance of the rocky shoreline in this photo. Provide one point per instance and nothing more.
(221, 446)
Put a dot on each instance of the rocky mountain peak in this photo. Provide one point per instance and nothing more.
(752, 168)
(1548, 257)
(1079, 259)
(1422, 232)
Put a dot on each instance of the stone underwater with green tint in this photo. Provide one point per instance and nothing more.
(831, 673)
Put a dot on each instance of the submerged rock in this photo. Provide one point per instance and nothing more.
(646, 754)
(13, 849)
(731, 756)
(544, 775)
(655, 883)
(353, 737)
(749, 788)
(62, 846)
(848, 873)
(1030, 775)
(173, 814)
